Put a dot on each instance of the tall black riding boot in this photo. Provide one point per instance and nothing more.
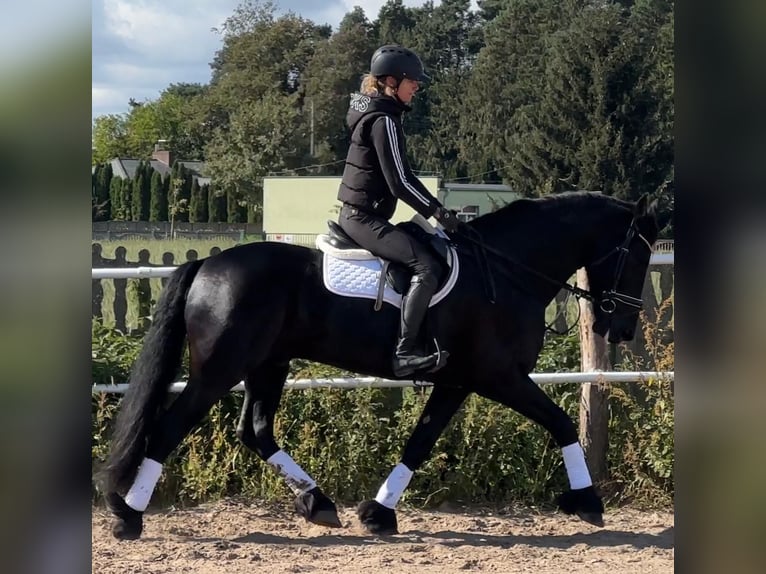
(407, 358)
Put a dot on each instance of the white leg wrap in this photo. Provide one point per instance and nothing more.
(295, 477)
(143, 485)
(577, 469)
(392, 490)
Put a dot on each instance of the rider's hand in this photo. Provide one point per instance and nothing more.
(447, 218)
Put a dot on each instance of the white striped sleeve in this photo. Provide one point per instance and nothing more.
(401, 181)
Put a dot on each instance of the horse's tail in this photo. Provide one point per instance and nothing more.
(152, 374)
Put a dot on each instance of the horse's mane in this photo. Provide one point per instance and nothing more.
(535, 210)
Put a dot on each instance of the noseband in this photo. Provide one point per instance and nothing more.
(610, 299)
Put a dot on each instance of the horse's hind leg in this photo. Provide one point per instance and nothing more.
(170, 429)
(263, 392)
(525, 397)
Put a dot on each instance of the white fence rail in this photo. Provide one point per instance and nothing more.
(378, 383)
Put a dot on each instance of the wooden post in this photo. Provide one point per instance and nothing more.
(594, 409)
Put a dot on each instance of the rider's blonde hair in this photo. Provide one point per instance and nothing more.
(372, 86)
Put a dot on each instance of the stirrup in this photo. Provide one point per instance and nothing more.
(408, 364)
(439, 359)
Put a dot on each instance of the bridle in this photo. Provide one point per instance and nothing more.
(611, 298)
(607, 302)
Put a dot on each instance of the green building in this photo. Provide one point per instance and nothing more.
(296, 208)
(471, 200)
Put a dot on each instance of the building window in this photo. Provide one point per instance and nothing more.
(468, 212)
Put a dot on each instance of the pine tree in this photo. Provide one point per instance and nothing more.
(102, 181)
(233, 209)
(126, 200)
(184, 193)
(597, 123)
(141, 192)
(216, 202)
(166, 181)
(115, 198)
(203, 206)
(177, 206)
(94, 193)
(158, 209)
(196, 203)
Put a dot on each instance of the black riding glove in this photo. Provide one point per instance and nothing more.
(447, 218)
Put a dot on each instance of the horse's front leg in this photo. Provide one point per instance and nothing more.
(379, 516)
(524, 396)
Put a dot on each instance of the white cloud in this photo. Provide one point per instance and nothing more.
(175, 31)
(105, 97)
(142, 46)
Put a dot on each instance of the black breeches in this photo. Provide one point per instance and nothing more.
(387, 241)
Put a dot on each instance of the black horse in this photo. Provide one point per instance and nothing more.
(248, 310)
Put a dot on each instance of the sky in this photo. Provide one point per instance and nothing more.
(142, 46)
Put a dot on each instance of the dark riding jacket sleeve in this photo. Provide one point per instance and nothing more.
(388, 141)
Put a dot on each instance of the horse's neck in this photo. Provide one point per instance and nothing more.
(555, 243)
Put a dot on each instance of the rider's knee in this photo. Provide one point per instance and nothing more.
(427, 271)
(428, 278)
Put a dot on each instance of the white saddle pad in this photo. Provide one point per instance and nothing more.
(360, 278)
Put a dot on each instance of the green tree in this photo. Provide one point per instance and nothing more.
(334, 72)
(448, 45)
(177, 116)
(98, 208)
(102, 180)
(235, 207)
(264, 137)
(255, 93)
(141, 191)
(597, 123)
(158, 209)
(395, 23)
(177, 206)
(110, 138)
(216, 205)
(115, 198)
(184, 193)
(126, 200)
(204, 203)
(197, 203)
(507, 75)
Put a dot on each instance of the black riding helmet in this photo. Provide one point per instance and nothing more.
(399, 62)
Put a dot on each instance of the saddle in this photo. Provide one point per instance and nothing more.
(336, 244)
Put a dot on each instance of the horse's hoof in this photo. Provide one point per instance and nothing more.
(594, 518)
(316, 508)
(376, 518)
(585, 503)
(129, 523)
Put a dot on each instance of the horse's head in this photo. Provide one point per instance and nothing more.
(617, 278)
